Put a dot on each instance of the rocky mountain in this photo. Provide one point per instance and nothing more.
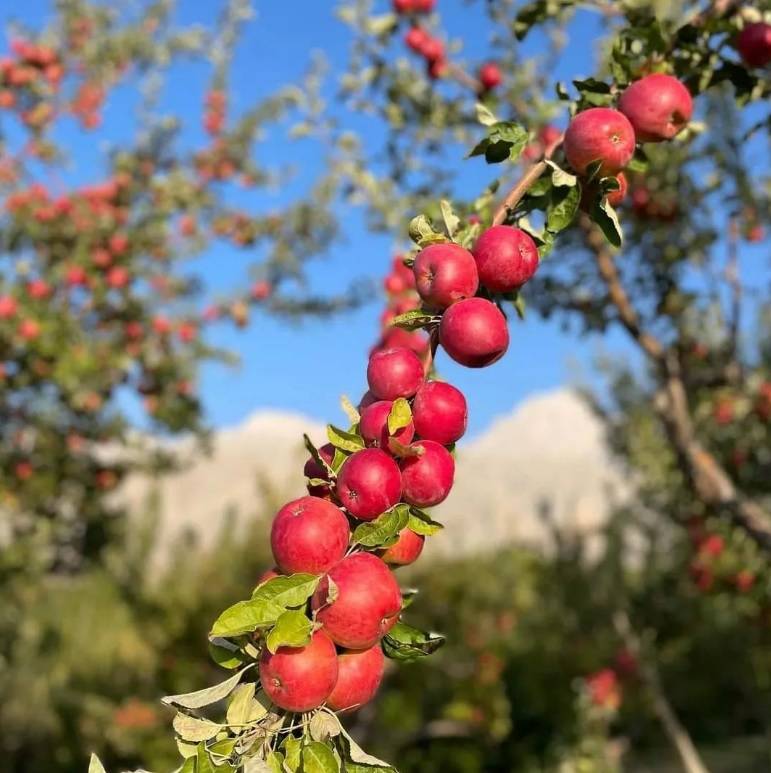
(546, 456)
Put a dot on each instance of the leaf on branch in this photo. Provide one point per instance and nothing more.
(292, 629)
(359, 760)
(349, 409)
(416, 319)
(399, 416)
(405, 643)
(194, 729)
(314, 452)
(384, 530)
(639, 162)
(95, 765)
(562, 207)
(605, 217)
(225, 654)
(559, 177)
(292, 753)
(346, 441)
(319, 758)
(504, 142)
(324, 725)
(403, 451)
(592, 85)
(484, 115)
(243, 707)
(450, 219)
(207, 696)
(421, 523)
(422, 232)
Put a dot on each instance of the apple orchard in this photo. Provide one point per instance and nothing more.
(310, 645)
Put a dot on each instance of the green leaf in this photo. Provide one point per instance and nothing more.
(592, 85)
(244, 707)
(207, 696)
(314, 452)
(347, 441)
(399, 416)
(421, 523)
(223, 748)
(485, 115)
(323, 725)
(450, 219)
(319, 758)
(275, 762)
(639, 162)
(415, 319)
(225, 654)
(190, 764)
(292, 629)
(350, 410)
(383, 530)
(292, 750)
(408, 596)
(560, 177)
(186, 750)
(95, 765)
(194, 729)
(204, 763)
(605, 217)
(562, 207)
(269, 601)
(405, 643)
(505, 141)
(422, 232)
(519, 303)
(356, 759)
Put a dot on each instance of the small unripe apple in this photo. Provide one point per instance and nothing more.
(439, 412)
(369, 483)
(300, 678)
(367, 604)
(754, 44)
(658, 106)
(506, 258)
(393, 373)
(310, 535)
(359, 673)
(313, 469)
(427, 479)
(474, 332)
(406, 550)
(444, 274)
(599, 134)
(373, 426)
(490, 76)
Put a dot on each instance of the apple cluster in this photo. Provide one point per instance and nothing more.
(404, 433)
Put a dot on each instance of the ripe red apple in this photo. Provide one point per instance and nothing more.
(403, 6)
(268, 574)
(444, 274)
(439, 412)
(506, 258)
(415, 39)
(474, 332)
(658, 106)
(8, 307)
(406, 550)
(118, 277)
(490, 76)
(300, 678)
(29, 329)
(599, 134)
(414, 340)
(367, 605)
(754, 44)
(393, 373)
(427, 479)
(374, 426)
(313, 469)
(369, 483)
(616, 197)
(310, 535)
(359, 673)
(433, 50)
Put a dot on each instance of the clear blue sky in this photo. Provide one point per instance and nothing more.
(307, 366)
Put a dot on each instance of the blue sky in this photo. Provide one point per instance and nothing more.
(305, 367)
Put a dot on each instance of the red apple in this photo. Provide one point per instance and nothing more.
(599, 134)
(310, 535)
(415, 39)
(313, 469)
(369, 483)
(616, 197)
(8, 307)
(658, 106)
(300, 678)
(406, 550)
(754, 44)
(506, 258)
(433, 50)
(439, 412)
(393, 373)
(374, 426)
(474, 332)
(268, 574)
(427, 479)
(367, 603)
(444, 274)
(359, 673)
(490, 76)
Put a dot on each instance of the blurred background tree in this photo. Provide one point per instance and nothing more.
(565, 661)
